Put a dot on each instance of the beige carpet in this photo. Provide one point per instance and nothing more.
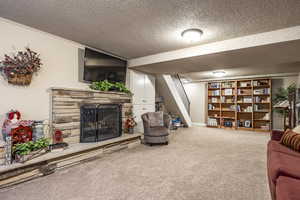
(198, 164)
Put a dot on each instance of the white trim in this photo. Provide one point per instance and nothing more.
(171, 85)
(266, 38)
(198, 124)
(246, 77)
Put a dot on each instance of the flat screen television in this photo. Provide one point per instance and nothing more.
(99, 66)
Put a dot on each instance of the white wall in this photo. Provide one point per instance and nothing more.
(197, 96)
(60, 69)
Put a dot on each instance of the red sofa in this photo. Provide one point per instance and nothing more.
(283, 170)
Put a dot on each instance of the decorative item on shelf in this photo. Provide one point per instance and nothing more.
(57, 136)
(19, 68)
(108, 86)
(129, 125)
(19, 130)
(25, 151)
(38, 130)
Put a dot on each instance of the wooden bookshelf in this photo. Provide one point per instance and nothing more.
(240, 104)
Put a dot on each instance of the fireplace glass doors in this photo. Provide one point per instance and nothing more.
(100, 122)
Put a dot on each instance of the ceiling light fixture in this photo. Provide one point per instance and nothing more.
(219, 73)
(192, 35)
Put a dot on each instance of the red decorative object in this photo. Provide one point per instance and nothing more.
(130, 123)
(21, 134)
(12, 114)
(58, 137)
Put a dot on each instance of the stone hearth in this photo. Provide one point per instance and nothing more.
(65, 108)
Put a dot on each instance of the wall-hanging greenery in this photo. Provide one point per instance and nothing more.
(108, 86)
(19, 68)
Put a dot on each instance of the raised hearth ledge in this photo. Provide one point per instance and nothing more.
(75, 154)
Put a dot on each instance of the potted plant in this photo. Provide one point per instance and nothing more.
(108, 86)
(19, 68)
(28, 150)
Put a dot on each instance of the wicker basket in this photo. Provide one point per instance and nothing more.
(20, 79)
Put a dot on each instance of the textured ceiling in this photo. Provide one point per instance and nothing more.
(135, 28)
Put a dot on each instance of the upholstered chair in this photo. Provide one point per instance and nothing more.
(156, 128)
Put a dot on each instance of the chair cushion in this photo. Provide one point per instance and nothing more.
(158, 131)
(156, 119)
(287, 188)
(291, 139)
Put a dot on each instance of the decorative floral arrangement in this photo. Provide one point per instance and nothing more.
(18, 69)
(130, 123)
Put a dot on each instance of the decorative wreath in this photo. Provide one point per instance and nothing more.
(12, 113)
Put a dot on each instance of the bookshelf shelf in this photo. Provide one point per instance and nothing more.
(240, 104)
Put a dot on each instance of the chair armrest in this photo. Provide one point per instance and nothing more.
(276, 135)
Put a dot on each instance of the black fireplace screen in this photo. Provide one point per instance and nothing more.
(100, 122)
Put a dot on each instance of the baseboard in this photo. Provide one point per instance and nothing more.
(198, 124)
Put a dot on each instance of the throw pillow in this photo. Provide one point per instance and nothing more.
(297, 129)
(156, 119)
(291, 139)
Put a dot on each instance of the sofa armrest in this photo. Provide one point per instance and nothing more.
(276, 135)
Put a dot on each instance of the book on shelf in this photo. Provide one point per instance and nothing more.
(215, 93)
(212, 122)
(247, 99)
(228, 84)
(228, 92)
(261, 91)
(260, 83)
(214, 85)
(258, 99)
(214, 100)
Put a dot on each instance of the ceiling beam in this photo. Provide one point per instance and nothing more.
(266, 38)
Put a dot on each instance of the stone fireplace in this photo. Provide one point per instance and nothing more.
(88, 115)
(99, 122)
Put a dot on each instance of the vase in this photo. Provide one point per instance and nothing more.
(130, 130)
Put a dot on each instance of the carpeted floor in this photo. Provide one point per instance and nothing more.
(198, 164)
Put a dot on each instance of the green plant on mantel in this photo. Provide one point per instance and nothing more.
(27, 147)
(108, 86)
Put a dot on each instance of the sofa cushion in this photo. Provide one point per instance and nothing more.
(291, 139)
(282, 164)
(287, 188)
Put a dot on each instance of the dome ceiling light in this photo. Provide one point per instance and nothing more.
(219, 73)
(192, 35)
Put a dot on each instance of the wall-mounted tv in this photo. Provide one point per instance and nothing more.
(99, 66)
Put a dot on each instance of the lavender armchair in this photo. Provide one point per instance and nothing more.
(156, 128)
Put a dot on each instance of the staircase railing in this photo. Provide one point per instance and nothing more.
(182, 92)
